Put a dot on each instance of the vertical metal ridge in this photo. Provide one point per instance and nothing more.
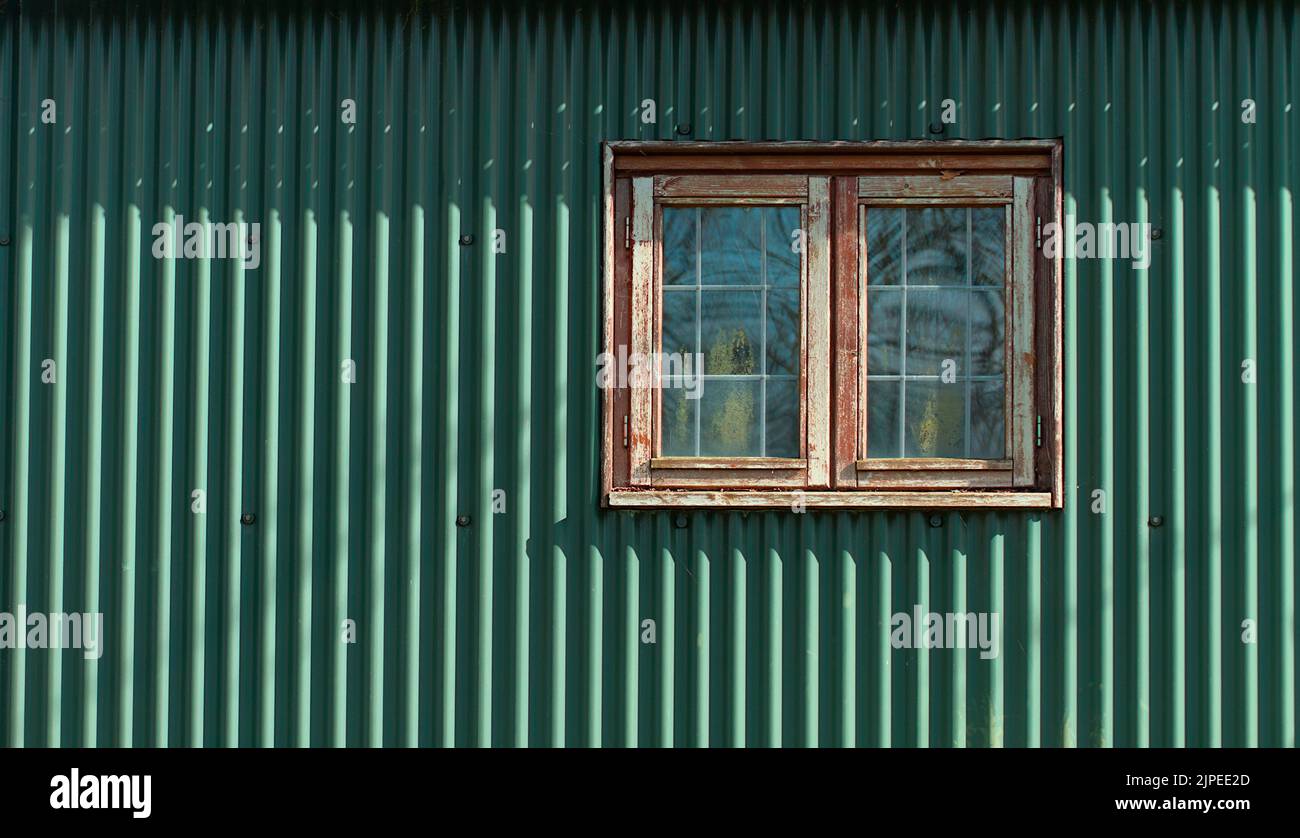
(1253, 521)
(1285, 660)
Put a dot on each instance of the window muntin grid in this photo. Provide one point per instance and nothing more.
(936, 293)
(731, 291)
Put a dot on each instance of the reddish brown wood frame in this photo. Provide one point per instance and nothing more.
(1024, 175)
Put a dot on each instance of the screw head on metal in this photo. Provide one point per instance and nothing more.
(247, 519)
(1157, 521)
(1157, 233)
(680, 521)
(4, 241)
(684, 128)
(3, 516)
(462, 520)
(936, 521)
(936, 127)
(466, 239)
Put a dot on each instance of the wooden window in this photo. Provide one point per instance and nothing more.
(836, 324)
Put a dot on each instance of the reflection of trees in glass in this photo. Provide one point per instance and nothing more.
(731, 353)
(988, 251)
(884, 246)
(783, 261)
(679, 427)
(987, 427)
(783, 332)
(940, 428)
(986, 340)
(731, 246)
(680, 227)
(936, 244)
(936, 330)
(730, 424)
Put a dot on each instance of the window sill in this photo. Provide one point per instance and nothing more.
(680, 499)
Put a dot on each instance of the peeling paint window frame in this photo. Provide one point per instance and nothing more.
(833, 182)
(1012, 194)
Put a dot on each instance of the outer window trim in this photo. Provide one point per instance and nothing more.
(1026, 174)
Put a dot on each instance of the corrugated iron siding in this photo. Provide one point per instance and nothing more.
(475, 372)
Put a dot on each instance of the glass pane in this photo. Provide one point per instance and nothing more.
(732, 332)
(677, 434)
(782, 260)
(782, 417)
(882, 418)
(988, 246)
(936, 420)
(679, 245)
(936, 246)
(884, 246)
(884, 321)
(679, 322)
(987, 319)
(731, 248)
(988, 440)
(936, 331)
(783, 328)
(729, 419)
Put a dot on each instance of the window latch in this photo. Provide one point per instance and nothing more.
(627, 233)
(626, 433)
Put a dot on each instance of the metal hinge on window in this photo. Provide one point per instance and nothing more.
(1038, 434)
(1038, 233)
(626, 432)
(627, 233)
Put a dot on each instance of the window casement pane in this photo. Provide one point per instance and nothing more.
(946, 333)
(720, 303)
(936, 313)
(729, 279)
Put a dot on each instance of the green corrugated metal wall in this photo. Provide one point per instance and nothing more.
(476, 372)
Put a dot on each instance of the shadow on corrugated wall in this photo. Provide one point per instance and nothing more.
(322, 502)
